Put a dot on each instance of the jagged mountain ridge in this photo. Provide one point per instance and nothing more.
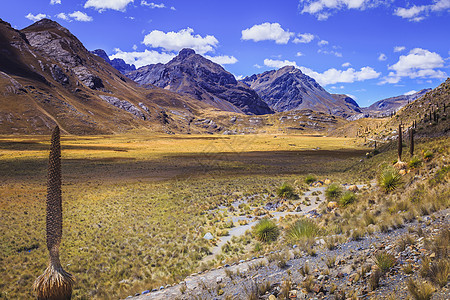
(48, 77)
(386, 106)
(192, 74)
(288, 89)
(116, 63)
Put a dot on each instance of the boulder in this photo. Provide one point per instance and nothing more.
(353, 188)
(332, 205)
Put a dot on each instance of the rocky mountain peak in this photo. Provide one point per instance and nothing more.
(185, 52)
(192, 74)
(288, 89)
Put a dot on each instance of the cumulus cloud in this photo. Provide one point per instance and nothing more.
(80, 16)
(152, 5)
(53, 2)
(267, 32)
(412, 92)
(175, 41)
(418, 13)
(222, 59)
(63, 16)
(419, 63)
(299, 54)
(279, 63)
(382, 57)
(399, 48)
(102, 5)
(36, 18)
(330, 76)
(322, 9)
(140, 59)
(322, 43)
(347, 64)
(303, 38)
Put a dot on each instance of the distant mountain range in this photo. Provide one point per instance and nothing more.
(386, 106)
(289, 89)
(192, 74)
(48, 77)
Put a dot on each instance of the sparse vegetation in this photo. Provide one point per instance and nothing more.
(384, 261)
(266, 231)
(347, 198)
(422, 291)
(390, 180)
(310, 179)
(286, 191)
(303, 229)
(333, 192)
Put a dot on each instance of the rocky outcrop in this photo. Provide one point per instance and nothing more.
(289, 89)
(125, 105)
(118, 63)
(57, 43)
(192, 74)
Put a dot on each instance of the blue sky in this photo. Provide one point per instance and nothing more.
(368, 49)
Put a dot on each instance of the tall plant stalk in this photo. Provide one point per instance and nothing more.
(55, 283)
(399, 142)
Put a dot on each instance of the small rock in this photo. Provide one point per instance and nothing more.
(272, 297)
(219, 280)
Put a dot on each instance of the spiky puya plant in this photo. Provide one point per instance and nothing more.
(55, 283)
(411, 142)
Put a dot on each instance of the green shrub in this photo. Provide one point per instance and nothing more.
(389, 180)
(414, 163)
(266, 231)
(286, 191)
(310, 179)
(384, 261)
(347, 198)
(333, 192)
(303, 228)
(427, 155)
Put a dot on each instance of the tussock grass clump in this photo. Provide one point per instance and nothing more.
(427, 155)
(389, 180)
(333, 192)
(55, 283)
(422, 291)
(310, 179)
(347, 198)
(266, 231)
(414, 163)
(384, 261)
(303, 229)
(286, 191)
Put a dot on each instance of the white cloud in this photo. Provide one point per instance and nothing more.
(102, 5)
(80, 16)
(267, 32)
(257, 66)
(419, 63)
(322, 9)
(239, 77)
(299, 54)
(37, 17)
(418, 13)
(173, 8)
(303, 38)
(332, 76)
(222, 59)
(279, 63)
(135, 47)
(140, 59)
(175, 41)
(152, 5)
(63, 16)
(412, 92)
(53, 2)
(347, 64)
(322, 43)
(335, 53)
(399, 48)
(382, 57)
